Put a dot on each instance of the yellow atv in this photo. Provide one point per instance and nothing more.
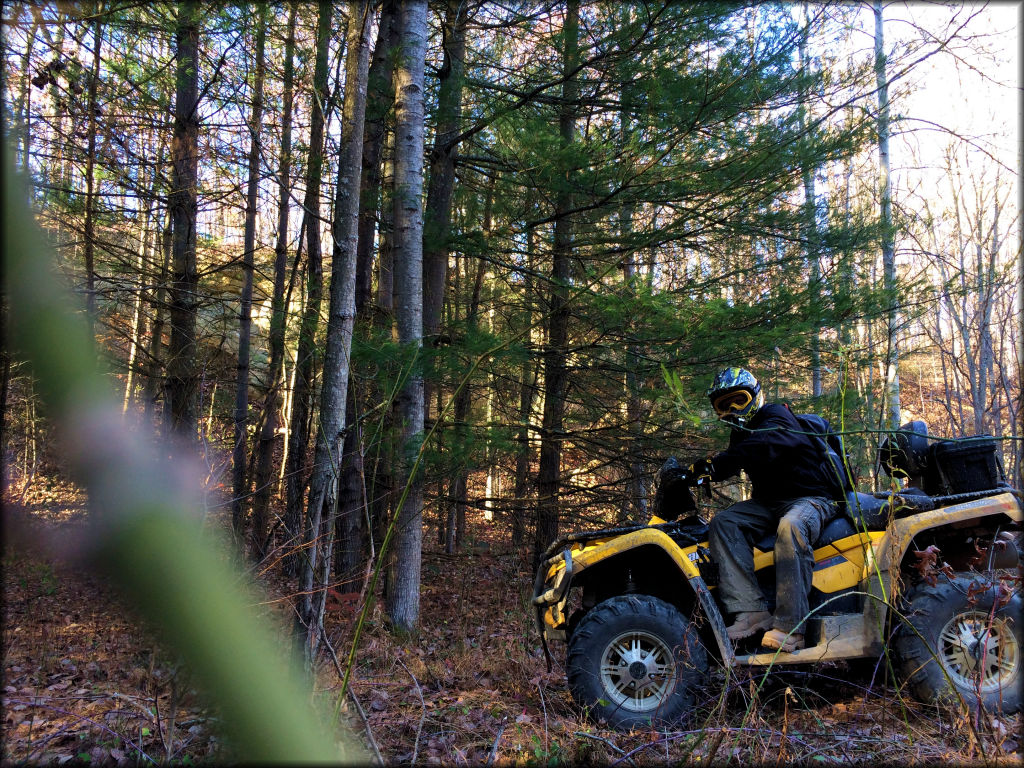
(923, 573)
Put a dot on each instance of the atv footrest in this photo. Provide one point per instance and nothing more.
(831, 637)
(829, 629)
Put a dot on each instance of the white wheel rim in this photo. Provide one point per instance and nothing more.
(637, 671)
(979, 654)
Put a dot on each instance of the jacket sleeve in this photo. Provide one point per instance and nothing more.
(763, 444)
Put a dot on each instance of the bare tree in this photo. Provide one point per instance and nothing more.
(403, 598)
(323, 483)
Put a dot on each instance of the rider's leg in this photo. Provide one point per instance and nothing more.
(731, 534)
(794, 565)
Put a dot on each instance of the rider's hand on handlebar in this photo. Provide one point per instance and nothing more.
(672, 472)
(700, 469)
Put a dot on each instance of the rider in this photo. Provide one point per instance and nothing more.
(791, 494)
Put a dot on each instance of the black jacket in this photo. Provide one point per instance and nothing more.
(781, 462)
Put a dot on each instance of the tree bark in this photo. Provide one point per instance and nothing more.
(892, 378)
(323, 484)
(357, 491)
(456, 519)
(404, 576)
(298, 439)
(438, 214)
(89, 235)
(154, 366)
(240, 452)
(269, 418)
(380, 97)
(527, 389)
(182, 389)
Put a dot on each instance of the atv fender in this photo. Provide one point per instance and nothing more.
(560, 570)
(892, 548)
(888, 552)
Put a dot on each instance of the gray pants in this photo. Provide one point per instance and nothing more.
(733, 532)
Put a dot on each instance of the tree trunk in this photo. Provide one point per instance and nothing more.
(240, 452)
(298, 439)
(154, 367)
(323, 484)
(356, 491)
(380, 97)
(438, 214)
(23, 119)
(386, 256)
(269, 418)
(892, 379)
(403, 598)
(182, 378)
(555, 376)
(635, 502)
(527, 388)
(456, 519)
(810, 227)
(149, 242)
(90, 180)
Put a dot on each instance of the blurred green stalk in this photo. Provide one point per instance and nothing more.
(145, 524)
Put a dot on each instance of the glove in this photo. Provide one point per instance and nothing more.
(673, 472)
(702, 468)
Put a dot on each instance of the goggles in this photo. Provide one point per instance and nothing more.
(735, 402)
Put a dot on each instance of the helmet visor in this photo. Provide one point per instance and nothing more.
(735, 402)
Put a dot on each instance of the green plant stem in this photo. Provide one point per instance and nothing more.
(145, 528)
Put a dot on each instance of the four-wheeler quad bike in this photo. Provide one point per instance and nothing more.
(932, 574)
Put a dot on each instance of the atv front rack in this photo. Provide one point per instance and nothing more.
(674, 528)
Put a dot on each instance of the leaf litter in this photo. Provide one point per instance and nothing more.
(85, 682)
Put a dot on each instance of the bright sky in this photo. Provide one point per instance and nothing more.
(972, 95)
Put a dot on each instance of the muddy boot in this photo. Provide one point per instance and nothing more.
(748, 623)
(777, 639)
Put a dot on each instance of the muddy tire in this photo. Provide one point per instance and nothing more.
(635, 661)
(965, 649)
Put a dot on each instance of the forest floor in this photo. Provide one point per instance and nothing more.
(84, 682)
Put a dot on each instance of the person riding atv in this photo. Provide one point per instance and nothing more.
(793, 494)
(926, 574)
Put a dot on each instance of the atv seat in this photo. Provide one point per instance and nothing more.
(862, 511)
(873, 512)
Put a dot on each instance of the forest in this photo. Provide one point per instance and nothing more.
(323, 320)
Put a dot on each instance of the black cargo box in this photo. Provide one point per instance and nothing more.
(963, 466)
